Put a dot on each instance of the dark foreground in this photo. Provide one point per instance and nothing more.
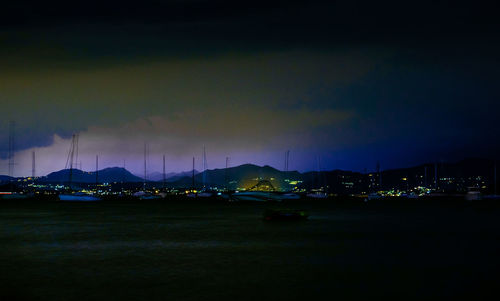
(193, 251)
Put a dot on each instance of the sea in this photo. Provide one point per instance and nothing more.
(166, 250)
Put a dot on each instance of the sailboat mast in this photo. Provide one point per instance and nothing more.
(192, 176)
(71, 157)
(321, 179)
(33, 165)
(204, 167)
(123, 174)
(225, 174)
(12, 127)
(164, 172)
(145, 170)
(96, 170)
(77, 138)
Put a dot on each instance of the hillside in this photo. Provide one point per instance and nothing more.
(109, 175)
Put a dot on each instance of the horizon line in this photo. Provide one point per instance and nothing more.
(261, 166)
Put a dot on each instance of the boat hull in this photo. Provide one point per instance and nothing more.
(14, 196)
(78, 198)
(256, 196)
(317, 195)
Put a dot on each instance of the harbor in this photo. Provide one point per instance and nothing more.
(249, 150)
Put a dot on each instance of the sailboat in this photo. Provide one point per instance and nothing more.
(318, 193)
(75, 196)
(78, 197)
(255, 196)
(144, 194)
(288, 195)
(205, 193)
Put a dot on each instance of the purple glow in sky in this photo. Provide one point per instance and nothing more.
(349, 82)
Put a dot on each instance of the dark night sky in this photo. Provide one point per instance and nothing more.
(351, 82)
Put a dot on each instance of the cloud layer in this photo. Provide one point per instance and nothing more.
(348, 81)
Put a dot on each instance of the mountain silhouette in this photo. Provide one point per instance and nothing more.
(108, 175)
(5, 178)
(170, 177)
(451, 177)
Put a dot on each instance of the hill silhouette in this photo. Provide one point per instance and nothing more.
(471, 172)
(109, 175)
(170, 176)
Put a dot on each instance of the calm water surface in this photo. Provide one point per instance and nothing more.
(162, 250)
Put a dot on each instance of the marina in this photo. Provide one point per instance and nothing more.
(249, 150)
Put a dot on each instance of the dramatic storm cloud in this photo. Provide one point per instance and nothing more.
(349, 82)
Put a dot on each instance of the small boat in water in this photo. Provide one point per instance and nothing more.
(285, 215)
(205, 194)
(14, 195)
(473, 194)
(317, 195)
(264, 196)
(148, 197)
(255, 196)
(374, 196)
(78, 197)
(290, 196)
(142, 195)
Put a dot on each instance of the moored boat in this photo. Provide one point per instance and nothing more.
(290, 196)
(78, 197)
(317, 195)
(14, 195)
(205, 194)
(256, 196)
(143, 195)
